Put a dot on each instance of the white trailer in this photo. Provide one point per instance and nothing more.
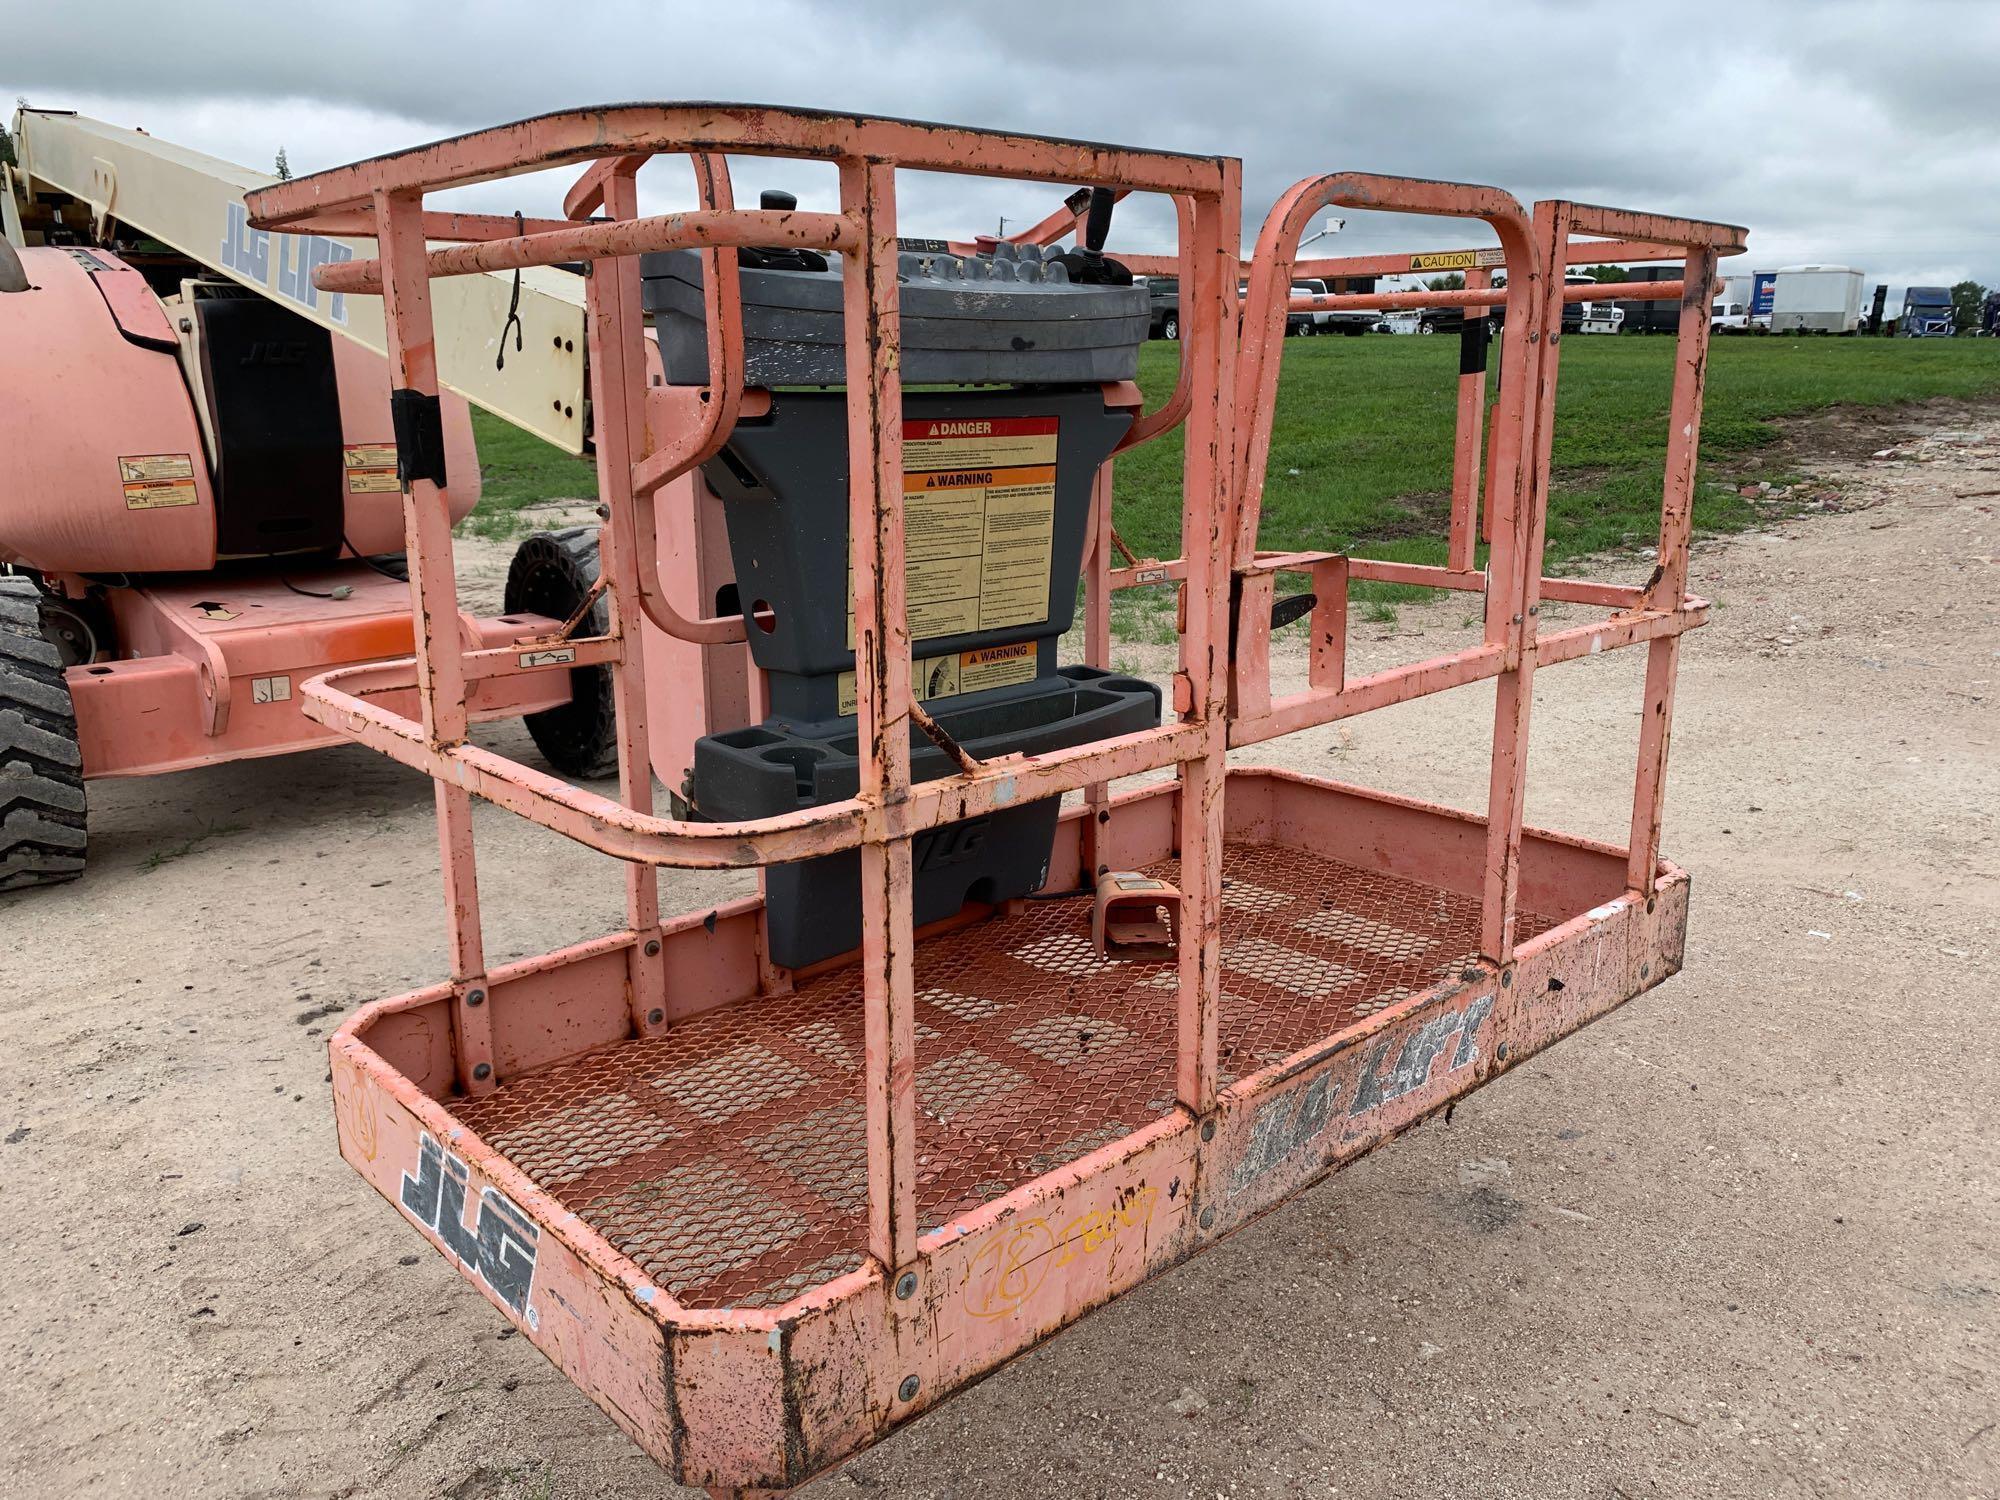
(1816, 299)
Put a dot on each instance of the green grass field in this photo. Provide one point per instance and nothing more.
(517, 469)
(1362, 436)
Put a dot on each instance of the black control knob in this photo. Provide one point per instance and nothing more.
(779, 257)
(1090, 266)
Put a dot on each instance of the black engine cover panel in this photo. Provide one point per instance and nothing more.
(274, 405)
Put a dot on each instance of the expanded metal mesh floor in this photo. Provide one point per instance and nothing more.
(728, 1157)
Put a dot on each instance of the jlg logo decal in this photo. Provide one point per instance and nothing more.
(499, 1249)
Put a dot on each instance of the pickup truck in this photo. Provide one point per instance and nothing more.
(1729, 315)
(1351, 322)
(1164, 297)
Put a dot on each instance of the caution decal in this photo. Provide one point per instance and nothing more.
(1457, 260)
(157, 481)
(371, 468)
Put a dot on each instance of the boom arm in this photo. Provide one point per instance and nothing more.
(194, 204)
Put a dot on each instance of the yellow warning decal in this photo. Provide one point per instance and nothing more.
(157, 481)
(979, 507)
(135, 467)
(1457, 260)
(160, 494)
(996, 666)
(964, 672)
(371, 468)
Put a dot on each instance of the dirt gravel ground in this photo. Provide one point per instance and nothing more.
(1742, 1238)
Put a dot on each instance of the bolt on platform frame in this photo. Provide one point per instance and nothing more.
(763, 1217)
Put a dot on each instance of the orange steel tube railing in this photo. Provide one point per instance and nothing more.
(888, 811)
(1223, 398)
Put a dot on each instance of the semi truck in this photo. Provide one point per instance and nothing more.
(1816, 299)
(1926, 314)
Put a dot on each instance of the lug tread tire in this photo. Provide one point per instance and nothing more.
(550, 574)
(43, 836)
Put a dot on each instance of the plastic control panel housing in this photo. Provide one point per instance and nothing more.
(1013, 317)
(998, 474)
(815, 905)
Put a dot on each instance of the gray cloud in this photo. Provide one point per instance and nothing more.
(1855, 133)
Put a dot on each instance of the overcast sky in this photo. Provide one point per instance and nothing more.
(1862, 134)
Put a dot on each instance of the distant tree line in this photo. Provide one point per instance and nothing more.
(1968, 303)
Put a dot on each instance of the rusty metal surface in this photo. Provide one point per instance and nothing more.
(727, 1157)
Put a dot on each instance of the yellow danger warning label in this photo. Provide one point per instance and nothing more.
(987, 442)
(961, 672)
(371, 468)
(979, 506)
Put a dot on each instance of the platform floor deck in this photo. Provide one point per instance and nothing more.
(728, 1158)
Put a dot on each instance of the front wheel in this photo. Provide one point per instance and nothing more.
(551, 574)
(43, 839)
(1170, 326)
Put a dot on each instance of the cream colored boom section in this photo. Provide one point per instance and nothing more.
(195, 204)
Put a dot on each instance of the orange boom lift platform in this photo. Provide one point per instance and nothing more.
(764, 1215)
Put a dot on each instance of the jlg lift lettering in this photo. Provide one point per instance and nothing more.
(1287, 1125)
(499, 1250)
(247, 252)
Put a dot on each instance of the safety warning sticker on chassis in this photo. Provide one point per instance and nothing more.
(371, 468)
(979, 506)
(157, 481)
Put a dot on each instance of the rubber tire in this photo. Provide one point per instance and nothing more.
(550, 574)
(43, 837)
(1170, 326)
